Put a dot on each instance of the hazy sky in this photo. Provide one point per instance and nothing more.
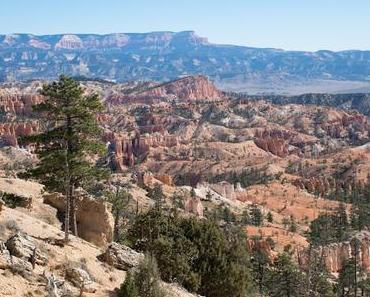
(288, 24)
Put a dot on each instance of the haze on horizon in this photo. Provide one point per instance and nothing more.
(287, 24)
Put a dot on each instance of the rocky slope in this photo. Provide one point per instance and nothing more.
(167, 55)
(59, 268)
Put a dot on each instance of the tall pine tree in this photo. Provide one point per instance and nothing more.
(68, 140)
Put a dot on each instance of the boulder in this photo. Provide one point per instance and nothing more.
(13, 263)
(121, 257)
(80, 278)
(5, 258)
(23, 247)
(20, 266)
(94, 217)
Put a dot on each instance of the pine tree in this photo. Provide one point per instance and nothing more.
(144, 281)
(158, 196)
(128, 288)
(119, 200)
(270, 217)
(341, 222)
(68, 140)
(284, 278)
(293, 225)
(178, 200)
(317, 284)
(256, 215)
(351, 276)
(260, 267)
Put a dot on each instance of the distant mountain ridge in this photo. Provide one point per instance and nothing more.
(164, 56)
(357, 101)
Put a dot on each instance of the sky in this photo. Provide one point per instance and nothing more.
(287, 24)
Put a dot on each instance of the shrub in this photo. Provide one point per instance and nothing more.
(144, 281)
(188, 249)
(12, 200)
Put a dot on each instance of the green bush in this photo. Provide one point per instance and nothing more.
(197, 254)
(12, 200)
(143, 282)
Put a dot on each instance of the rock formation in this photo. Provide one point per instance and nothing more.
(334, 255)
(192, 88)
(9, 132)
(121, 257)
(15, 102)
(94, 217)
(226, 190)
(23, 247)
(81, 279)
(130, 151)
(194, 206)
(263, 246)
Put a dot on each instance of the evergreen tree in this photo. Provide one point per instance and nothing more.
(256, 215)
(329, 228)
(245, 218)
(144, 281)
(316, 275)
(197, 254)
(341, 223)
(178, 200)
(346, 279)
(209, 196)
(360, 216)
(68, 140)
(285, 279)
(351, 274)
(129, 288)
(119, 200)
(270, 217)
(157, 195)
(293, 225)
(192, 193)
(260, 265)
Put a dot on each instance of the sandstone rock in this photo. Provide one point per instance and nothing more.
(94, 217)
(225, 189)
(261, 246)
(23, 247)
(165, 179)
(336, 254)
(20, 266)
(9, 132)
(69, 41)
(5, 258)
(192, 88)
(7, 261)
(121, 257)
(16, 102)
(129, 151)
(194, 206)
(55, 287)
(80, 278)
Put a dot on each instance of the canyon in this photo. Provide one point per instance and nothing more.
(217, 149)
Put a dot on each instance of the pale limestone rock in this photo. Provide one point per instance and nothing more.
(23, 247)
(94, 217)
(121, 257)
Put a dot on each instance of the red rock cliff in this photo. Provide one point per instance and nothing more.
(335, 255)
